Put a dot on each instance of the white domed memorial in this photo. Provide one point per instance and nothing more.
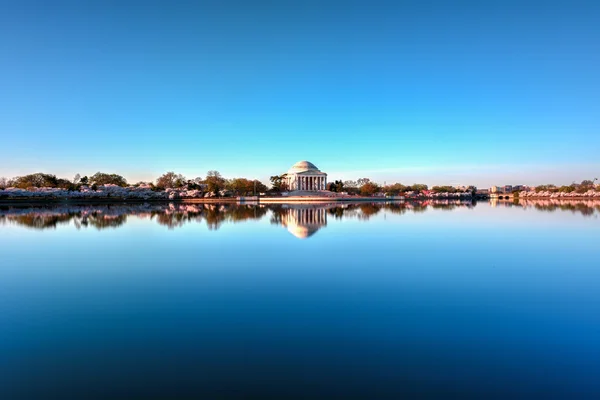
(305, 176)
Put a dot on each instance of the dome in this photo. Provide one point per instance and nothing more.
(302, 166)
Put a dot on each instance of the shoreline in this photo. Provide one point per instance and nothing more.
(262, 200)
(231, 200)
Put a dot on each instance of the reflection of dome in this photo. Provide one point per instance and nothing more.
(303, 166)
(302, 232)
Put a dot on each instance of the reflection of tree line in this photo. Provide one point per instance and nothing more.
(364, 211)
(176, 215)
(112, 216)
(47, 218)
(214, 215)
(583, 207)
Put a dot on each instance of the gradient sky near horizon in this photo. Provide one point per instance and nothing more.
(438, 92)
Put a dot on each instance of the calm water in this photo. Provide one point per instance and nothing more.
(373, 301)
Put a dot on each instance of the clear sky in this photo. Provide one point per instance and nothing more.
(438, 92)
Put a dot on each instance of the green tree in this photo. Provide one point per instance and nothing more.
(100, 178)
(443, 189)
(336, 186)
(37, 180)
(278, 183)
(394, 190)
(369, 189)
(260, 187)
(241, 186)
(65, 184)
(170, 180)
(546, 188)
(215, 181)
(567, 189)
(418, 187)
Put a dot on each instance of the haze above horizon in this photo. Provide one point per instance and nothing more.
(461, 92)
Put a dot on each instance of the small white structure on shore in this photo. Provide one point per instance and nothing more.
(304, 175)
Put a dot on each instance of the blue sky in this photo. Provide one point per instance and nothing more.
(439, 92)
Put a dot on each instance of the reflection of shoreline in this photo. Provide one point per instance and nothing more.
(585, 207)
(112, 216)
(302, 220)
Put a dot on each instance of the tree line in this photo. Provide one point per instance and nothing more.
(366, 187)
(214, 182)
(582, 187)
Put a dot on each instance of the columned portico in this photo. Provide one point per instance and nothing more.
(306, 176)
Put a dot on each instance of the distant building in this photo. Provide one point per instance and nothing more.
(507, 189)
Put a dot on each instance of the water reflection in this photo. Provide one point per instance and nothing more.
(301, 220)
(583, 207)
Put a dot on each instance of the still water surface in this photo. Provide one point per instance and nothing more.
(373, 301)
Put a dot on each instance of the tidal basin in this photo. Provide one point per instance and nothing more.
(367, 300)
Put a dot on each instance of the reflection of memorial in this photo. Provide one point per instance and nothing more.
(303, 221)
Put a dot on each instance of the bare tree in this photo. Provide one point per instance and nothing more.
(3, 182)
(362, 181)
(76, 179)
